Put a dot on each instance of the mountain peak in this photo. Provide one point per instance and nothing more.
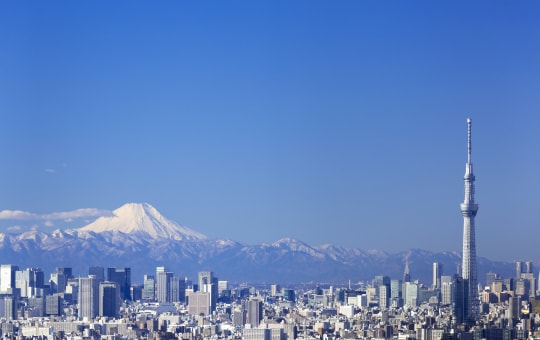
(142, 219)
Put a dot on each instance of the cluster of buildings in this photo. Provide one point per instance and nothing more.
(105, 304)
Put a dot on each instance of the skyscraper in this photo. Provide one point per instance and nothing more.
(149, 291)
(208, 283)
(254, 312)
(519, 269)
(98, 272)
(108, 299)
(7, 278)
(163, 285)
(122, 276)
(437, 273)
(468, 210)
(88, 297)
(460, 299)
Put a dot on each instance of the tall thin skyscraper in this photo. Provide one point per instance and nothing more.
(437, 273)
(88, 297)
(468, 210)
(519, 269)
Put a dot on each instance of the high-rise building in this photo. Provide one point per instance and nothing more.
(175, 289)
(108, 299)
(491, 277)
(396, 296)
(411, 294)
(274, 289)
(122, 276)
(469, 209)
(29, 282)
(60, 278)
(7, 278)
(208, 283)
(98, 272)
(384, 296)
(54, 304)
(514, 303)
(460, 297)
(446, 290)
(149, 290)
(519, 269)
(522, 288)
(528, 267)
(199, 303)
(254, 312)
(88, 297)
(36, 306)
(289, 295)
(163, 285)
(9, 309)
(437, 273)
(239, 317)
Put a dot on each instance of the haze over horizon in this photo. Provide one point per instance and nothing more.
(341, 123)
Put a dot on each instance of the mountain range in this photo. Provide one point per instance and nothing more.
(139, 237)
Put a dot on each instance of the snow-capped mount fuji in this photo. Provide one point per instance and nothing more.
(144, 221)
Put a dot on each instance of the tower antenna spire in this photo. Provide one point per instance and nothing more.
(469, 123)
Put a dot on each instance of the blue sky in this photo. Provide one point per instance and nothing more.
(331, 122)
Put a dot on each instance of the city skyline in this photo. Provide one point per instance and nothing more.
(293, 120)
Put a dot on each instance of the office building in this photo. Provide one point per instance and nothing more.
(36, 306)
(411, 294)
(8, 307)
(528, 267)
(175, 289)
(239, 317)
(7, 278)
(59, 279)
(198, 303)
(469, 208)
(208, 283)
(122, 276)
(396, 296)
(254, 313)
(29, 282)
(289, 295)
(460, 296)
(446, 290)
(384, 296)
(163, 285)
(98, 272)
(54, 304)
(88, 297)
(257, 334)
(109, 304)
(274, 290)
(437, 273)
(519, 269)
(149, 288)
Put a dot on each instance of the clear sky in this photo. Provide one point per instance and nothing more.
(338, 122)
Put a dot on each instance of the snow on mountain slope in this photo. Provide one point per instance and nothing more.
(142, 220)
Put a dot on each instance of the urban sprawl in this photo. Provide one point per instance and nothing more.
(106, 305)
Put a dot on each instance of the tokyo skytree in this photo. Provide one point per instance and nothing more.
(468, 210)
